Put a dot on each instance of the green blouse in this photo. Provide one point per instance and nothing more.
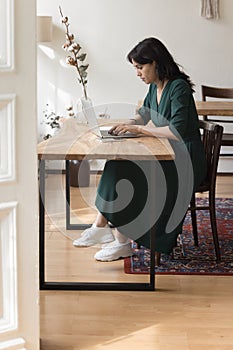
(177, 110)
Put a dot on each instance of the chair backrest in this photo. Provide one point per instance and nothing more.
(211, 91)
(211, 138)
(216, 92)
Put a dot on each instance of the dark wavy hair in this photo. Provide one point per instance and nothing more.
(152, 49)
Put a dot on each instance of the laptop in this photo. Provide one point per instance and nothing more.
(100, 131)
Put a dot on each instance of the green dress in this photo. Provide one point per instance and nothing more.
(133, 196)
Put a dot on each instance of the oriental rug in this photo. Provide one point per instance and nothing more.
(188, 259)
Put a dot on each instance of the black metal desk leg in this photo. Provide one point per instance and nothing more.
(70, 226)
(41, 222)
(115, 286)
(67, 195)
(152, 258)
(152, 229)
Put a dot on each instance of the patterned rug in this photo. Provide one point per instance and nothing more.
(188, 259)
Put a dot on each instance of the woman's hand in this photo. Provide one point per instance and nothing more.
(143, 130)
(148, 130)
(123, 128)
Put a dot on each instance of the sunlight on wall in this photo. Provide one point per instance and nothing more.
(47, 51)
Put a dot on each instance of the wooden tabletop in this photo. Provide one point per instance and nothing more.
(77, 142)
(218, 108)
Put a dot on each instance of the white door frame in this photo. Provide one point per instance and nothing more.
(19, 288)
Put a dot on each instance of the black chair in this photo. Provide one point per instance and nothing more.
(211, 137)
(219, 93)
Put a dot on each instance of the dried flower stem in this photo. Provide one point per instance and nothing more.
(75, 48)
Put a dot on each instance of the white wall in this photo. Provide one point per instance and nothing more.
(108, 29)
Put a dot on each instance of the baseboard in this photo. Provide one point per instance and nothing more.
(225, 174)
(100, 172)
(62, 171)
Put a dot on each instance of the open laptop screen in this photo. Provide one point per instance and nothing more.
(90, 115)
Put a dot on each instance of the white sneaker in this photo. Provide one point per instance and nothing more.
(94, 235)
(114, 251)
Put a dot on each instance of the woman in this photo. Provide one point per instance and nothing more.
(168, 111)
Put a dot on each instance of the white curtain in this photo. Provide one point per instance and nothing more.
(210, 9)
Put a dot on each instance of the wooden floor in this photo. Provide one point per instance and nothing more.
(185, 312)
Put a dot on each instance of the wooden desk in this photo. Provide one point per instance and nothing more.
(211, 108)
(221, 111)
(79, 143)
